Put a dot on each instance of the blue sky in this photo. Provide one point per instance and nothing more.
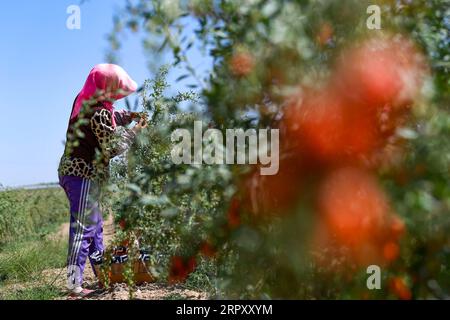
(43, 65)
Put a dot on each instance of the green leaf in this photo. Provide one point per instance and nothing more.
(133, 187)
(182, 77)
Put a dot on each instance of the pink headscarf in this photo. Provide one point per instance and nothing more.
(106, 83)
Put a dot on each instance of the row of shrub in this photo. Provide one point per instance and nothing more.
(28, 213)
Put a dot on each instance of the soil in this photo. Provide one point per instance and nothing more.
(149, 291)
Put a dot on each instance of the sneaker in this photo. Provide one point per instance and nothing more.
(79, 292)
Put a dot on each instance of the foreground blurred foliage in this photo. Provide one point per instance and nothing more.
(364, 161)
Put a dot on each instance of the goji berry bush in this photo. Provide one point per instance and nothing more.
(364, 149)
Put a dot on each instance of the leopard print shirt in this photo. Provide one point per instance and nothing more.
(75, 167)
(112, 142)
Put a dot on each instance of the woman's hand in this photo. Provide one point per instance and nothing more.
(135, 115)
(142, 124)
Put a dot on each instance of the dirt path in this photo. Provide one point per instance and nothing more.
(151, 291)
(63, 231)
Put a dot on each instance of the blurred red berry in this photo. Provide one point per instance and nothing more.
(180, 268)
(379, 71)
(329, 128)
(241, 64)
(122, 224)
(400, 289)
(177, 271)
(208, 250)
(325, 33)
(397, 227)
(391, 251)
(353, 206)
(353, 118)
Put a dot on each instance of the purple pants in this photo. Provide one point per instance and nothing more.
(86, 225)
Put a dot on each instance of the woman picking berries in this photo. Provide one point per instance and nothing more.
(92, 140)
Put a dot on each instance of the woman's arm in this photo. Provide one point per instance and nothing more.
(111, 143)
(123, 117)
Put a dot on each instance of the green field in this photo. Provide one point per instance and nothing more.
(27, 218)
